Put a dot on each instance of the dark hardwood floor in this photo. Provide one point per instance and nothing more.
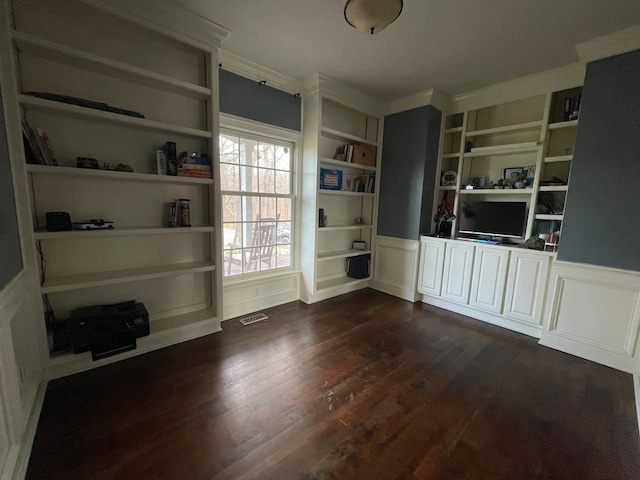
(363, 386)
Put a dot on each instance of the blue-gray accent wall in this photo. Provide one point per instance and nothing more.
(409, 162)
(602, 214)
(246, 98)
(10, 251)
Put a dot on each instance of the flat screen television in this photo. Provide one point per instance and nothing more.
(494, 219)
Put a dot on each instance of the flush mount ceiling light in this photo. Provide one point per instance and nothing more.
(372, 16)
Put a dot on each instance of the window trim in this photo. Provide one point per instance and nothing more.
(232, 125)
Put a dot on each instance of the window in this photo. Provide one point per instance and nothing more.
(256, 182)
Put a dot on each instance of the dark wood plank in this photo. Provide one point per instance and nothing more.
(362, 386)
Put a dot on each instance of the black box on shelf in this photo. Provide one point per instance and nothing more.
(358, 266)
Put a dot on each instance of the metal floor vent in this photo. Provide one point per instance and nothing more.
(253, 318)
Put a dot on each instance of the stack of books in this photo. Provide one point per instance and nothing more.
(194, 165)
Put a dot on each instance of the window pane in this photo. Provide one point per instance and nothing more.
(283, 182)
(229, 149)
(284, 209)
(266, 158)
(248, 154)
(283, 255)
(248, 179)
(283, 158)
(232, 236)
(229, 177)
(267, 180)
(268, 208)
(231, 211)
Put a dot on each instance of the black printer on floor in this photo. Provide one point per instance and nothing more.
(107, 330)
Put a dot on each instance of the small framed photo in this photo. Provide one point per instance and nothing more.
(513, 175)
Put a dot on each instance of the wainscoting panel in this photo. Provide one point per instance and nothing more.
(395, 267)
(594, 312)
(249, 296)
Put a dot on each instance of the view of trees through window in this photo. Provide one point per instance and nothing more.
(256, 183)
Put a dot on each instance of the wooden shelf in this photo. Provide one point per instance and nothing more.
(567, 124)
(42, 104)
(503, 149)
(451, 155)
(453, 130)
(559, 158)
(115, 175)
(541, 216)
(120, 231)
(505, 129)
(339, 282)
(347, 136)
(335, 228)
(554, 188)
(324, 191)
(499, 191)
(341, 254)
(351, 165)
(447, 187)
(113, 277)
(69, 56)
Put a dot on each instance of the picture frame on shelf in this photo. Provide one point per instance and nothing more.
(513, 175)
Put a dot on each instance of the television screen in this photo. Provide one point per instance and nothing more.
(496, 219)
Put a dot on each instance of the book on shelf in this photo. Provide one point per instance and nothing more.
(344, 153)
(38, 148)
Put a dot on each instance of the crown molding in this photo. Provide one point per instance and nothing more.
(536, 84)
(343, 93)
(254, 71)
(168, 19)
(609, 45)
(427, 97)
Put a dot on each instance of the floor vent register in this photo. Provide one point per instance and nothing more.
(258, 317)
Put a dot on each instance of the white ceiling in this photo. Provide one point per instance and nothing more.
(454, 46)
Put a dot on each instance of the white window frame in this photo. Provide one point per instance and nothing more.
(232, 125)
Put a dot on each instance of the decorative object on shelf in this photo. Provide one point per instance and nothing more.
(477, 182)
(86, 162)
(185, 212)
(322, 218)
(372, 16)
(529, 174)
(358, 221)
(93, 224)
(58, 221)
(330, 179)
(448, 178)
(359, 245)
(169, 149)
(533, 243)
(161, 162)
(363, 155)
(512, 175)
(124, 167)
(358, 267)
(468, 146)
(444, 217)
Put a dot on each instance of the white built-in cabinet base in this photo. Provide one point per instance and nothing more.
(585, 310)
(497, 284)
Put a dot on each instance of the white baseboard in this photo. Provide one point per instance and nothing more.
(500, 321)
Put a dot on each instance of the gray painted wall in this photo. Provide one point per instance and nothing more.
(409, 162)
(246, 98)
(10, 251)
(602, 213)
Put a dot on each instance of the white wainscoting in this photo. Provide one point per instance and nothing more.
(594, 312)
(252, 295)
(395, 267)
(20, 397)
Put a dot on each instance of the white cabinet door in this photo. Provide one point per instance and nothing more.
(489, 277)
(526, 283)
(431, 265)
(458, 264)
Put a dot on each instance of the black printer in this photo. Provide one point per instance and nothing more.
(108, 329)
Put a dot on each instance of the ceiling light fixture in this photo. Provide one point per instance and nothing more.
(372, 16)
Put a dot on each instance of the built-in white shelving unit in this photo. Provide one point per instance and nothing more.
(172, 83)
(335, 117)
(535, 134)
